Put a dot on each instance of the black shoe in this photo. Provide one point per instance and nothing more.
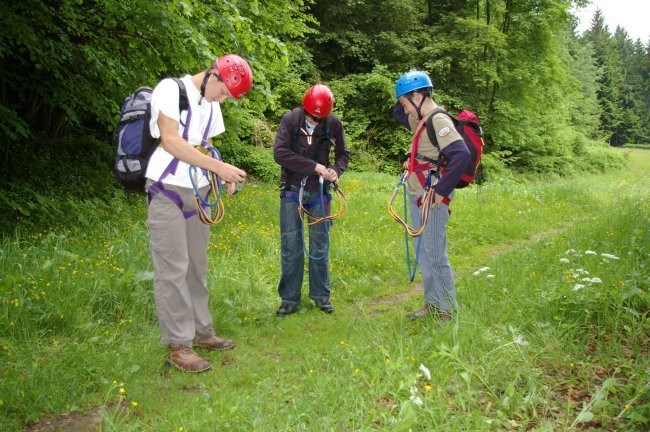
(286, 309)
(324, 305)
(428, 309)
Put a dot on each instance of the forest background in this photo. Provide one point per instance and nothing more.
(551, 101)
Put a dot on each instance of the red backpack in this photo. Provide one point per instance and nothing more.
(468, 126)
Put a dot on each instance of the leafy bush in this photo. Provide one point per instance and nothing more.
(492, 167)
(365, 103)
(600, 159)
(256, 161)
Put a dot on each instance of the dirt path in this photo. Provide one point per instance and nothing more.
(379, 304)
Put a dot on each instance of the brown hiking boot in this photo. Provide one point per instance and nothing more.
(185, 359)
(215, 343)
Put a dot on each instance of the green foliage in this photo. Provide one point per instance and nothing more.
(77, 65)
(493, 168)
(256, 161)
(546, 97)
(58, 177)
(367, 101)
(287, 95)
(638, 146)
(355, 37)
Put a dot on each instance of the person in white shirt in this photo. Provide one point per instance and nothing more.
(179, 239)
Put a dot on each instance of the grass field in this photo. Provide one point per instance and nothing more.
(552, 331)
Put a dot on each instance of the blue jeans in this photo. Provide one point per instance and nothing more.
(438, 278)
(293, 256)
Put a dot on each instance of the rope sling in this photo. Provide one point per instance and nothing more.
(424, 202)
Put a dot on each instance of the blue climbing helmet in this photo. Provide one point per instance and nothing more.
(411, 81)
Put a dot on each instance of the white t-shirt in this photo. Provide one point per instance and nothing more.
(165, 99)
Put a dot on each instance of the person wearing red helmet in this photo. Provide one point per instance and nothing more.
(302, 148)
(235, 73)
(179, 239)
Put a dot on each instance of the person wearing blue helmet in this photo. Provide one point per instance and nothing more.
(415, 107)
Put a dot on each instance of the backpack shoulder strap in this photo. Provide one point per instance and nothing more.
(296, 115)
(183, 101)
(431, 133)
(326, 127)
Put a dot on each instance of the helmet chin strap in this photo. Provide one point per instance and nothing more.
(417, 107)
(204, 83)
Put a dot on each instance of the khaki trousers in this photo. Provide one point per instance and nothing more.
(180, 262)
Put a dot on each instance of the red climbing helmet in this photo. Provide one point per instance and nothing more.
(235, 73)
(318, 100)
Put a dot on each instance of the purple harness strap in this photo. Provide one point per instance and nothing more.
(294, 197)
(158, 187)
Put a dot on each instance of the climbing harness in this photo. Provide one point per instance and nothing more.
(425, 172)
(426, 201)
(203, 204)
(302, 209)
(308, 219)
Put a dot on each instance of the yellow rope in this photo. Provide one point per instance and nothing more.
(427, 202)
(205, 214)
(315, 220)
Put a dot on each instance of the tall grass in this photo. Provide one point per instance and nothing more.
(552, 331)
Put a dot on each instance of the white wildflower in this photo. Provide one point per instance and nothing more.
(414, 398)
(426, 372)
(570, 251)
(565, 260)
(520, 340)
(610, 256)
(578, 287)
(596, 280)
(490, 276)
(481, 270)
(590, 252)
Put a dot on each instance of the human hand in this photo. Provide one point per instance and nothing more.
(437, 200)
(331, 175)
(321, 170)
(231, 188)
(230, 173)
